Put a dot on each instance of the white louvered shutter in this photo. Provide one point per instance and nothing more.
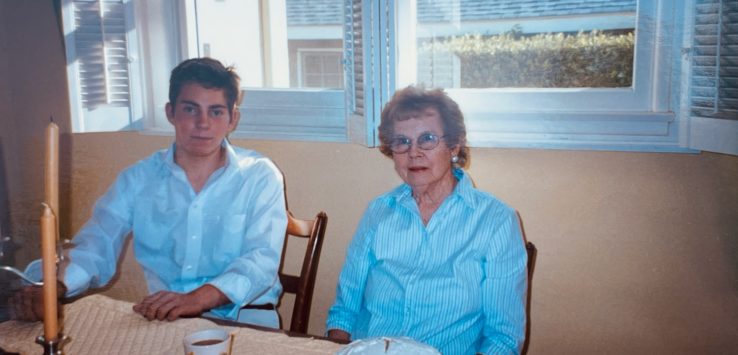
(714, 81)
(368, 53)
(97, 39)
(353, 66)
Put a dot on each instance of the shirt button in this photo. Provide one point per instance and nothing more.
(188, 267)
(194, 237)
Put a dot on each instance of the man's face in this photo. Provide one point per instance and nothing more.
(201, 121)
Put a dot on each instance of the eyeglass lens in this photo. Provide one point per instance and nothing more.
(426, 141)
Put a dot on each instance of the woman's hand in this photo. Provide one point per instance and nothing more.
(339, 334)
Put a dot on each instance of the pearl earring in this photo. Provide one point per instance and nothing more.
(454, 159)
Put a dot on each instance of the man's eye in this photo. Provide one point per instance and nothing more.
(188, 109)
(217, 113)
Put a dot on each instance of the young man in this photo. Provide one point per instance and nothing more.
(208, 219)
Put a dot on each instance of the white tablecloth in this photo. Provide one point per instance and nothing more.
(97, 325)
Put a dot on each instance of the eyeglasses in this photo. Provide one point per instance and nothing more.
(426, 141)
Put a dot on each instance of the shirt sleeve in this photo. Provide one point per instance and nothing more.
(254, 273)
(93, 260)
(504, 289)
(352, 280)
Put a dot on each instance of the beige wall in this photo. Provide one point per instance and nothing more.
(32, 88)
(6, 125)
(638, 252)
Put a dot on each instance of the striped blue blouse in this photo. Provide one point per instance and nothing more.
(458, 284)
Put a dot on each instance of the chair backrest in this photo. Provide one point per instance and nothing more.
(302, 285)
(532, 251)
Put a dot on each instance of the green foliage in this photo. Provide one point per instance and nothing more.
(592, 59)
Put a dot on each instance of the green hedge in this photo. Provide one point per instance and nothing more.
(592, 59)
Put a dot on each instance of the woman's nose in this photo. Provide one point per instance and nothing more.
(414, 150)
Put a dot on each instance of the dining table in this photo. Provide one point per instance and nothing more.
(97, 324)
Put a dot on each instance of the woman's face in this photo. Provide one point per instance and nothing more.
(419, 168)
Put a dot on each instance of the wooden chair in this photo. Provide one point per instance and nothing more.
(532, 251)
(302, 285)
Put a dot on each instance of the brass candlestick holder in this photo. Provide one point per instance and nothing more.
(53, 346)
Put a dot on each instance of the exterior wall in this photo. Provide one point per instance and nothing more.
(296, 45)
(637, 251)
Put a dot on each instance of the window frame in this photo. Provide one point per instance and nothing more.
(650, 116)
(304, 114)
(291, 113)
(106, 117)
(638, 118)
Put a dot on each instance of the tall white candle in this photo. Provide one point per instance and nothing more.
(48, 262)
(51, 170)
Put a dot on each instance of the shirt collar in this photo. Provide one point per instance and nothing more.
(231, 157)
(464, 189)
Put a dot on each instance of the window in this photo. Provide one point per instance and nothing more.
(289, 60)
(597, 74)
(320, 68)
(528, 73)
(504, 45)
(637, 114)
(99, 52)
(289, 56)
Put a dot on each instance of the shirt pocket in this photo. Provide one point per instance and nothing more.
(230, 236)
(153, 227)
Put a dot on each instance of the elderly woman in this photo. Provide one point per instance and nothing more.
(434, 259)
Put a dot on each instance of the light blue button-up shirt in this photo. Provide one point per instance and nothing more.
(458, 284)
(229, 235)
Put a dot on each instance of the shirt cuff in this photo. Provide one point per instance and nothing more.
(339, 325)
(75, 278)
(235, 288)
(229, 311)
(34, 271)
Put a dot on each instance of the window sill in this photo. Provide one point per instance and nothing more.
(632, 131)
